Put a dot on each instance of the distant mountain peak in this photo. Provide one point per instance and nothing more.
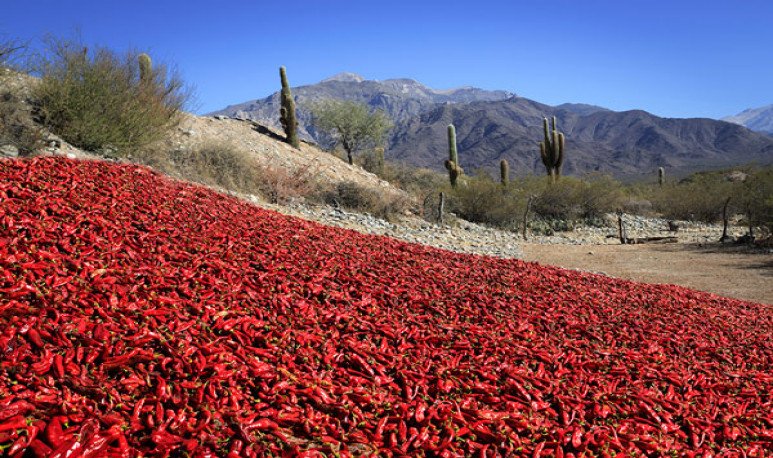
(346, 77)
(758, 119)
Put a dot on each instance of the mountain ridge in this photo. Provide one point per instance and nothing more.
(624, 144)
(495, 125)
(400, 98)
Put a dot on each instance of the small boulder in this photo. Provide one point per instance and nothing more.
(9, 151)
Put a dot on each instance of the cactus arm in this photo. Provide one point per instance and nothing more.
(453, 155)
(544, 154)
(560, 158)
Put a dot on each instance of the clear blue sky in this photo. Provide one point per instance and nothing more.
(673, 58)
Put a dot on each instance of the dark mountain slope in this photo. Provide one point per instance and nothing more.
(621, 143)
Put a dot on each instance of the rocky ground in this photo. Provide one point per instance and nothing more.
(466, 237)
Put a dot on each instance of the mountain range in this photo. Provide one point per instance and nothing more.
(400, 98)
(495, 125)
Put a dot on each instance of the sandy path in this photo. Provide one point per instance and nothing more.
(725, 271)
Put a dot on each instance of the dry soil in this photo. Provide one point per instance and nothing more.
(735, 272)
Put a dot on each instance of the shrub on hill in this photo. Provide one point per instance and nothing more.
(754, 198)
(699, 197)
(356, 197)
(96, 100)
(481, 199)
(16, 126)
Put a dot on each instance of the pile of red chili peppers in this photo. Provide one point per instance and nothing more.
(140, 316)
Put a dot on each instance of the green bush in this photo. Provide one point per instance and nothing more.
(699, 197)
(94, 99)
(558, 205)
(413, 180)
(754, 198)
(573, 199)
(480, 199)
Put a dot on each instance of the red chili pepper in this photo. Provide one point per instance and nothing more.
(15, 409)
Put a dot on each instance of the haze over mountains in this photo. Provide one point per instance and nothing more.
(758, 119)
(495, 125)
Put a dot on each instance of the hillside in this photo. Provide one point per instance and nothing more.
(400, 98)
(757, 119)
(144, 315)
(268, 149)
(625, 144)
(254, 145)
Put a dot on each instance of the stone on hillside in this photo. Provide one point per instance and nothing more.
(9, 151)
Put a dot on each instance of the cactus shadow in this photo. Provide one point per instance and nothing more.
(261, 129)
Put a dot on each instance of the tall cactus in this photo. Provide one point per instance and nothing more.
(146, 69)
(661, 176)
(504, 172)
(452, 164)
(287, 112)
(552, 150)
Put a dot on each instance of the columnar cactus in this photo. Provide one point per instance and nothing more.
(146, 68)
(504, 172)
(379, 153)
(552, 150)
(452, 164)
(661, 176)
(287, 112)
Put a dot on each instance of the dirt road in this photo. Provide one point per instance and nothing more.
(727, 271)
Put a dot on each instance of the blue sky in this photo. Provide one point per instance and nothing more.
(673, 58)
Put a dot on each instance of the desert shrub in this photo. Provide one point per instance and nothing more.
(574, 199)
(356, 197)
(225, 165)
(754, 198)
(555, 200)
(699, 197)
(16, 120)
(413, 180)
(16, 125)
(480, 199)
(637, 206)
(598, 195)
(212, 163)
(373, 161)
(96, 101)
(280, 185)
